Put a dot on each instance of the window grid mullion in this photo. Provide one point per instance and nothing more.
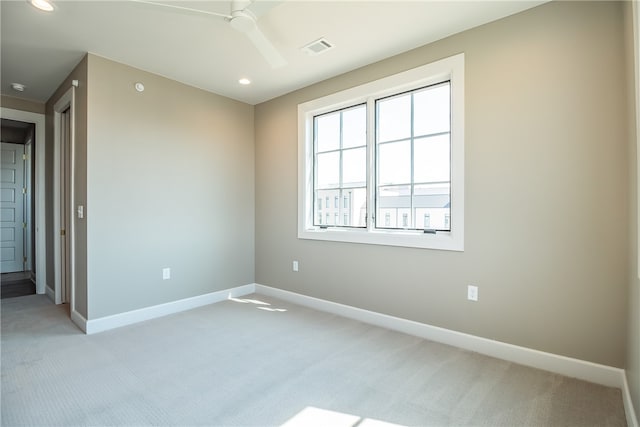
(372, 163)
(315, 173)
(340, 184)
(412, 225)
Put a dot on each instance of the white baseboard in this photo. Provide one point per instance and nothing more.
(50, 293)
(79, 320)
(575, 368)
(93, 326)
(632, 421)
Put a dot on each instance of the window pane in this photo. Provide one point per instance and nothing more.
(431, 159)
(354, 167)
(354, 127)
(394, 118)
(328, 132)
(432, 203)
(355, 208)
(431, 107)
(328, 169)
(394, 163)
(392, 203)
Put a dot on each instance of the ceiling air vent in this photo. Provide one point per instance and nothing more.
(317, 47)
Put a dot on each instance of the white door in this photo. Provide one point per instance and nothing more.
(12, 208)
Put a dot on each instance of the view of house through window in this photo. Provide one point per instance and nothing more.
(412, 152)
(413, 147)
(341, 166)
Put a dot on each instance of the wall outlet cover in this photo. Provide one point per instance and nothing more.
(472, 293)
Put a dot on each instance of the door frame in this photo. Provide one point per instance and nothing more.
(40, 222)
(67, 101)
(28, 150)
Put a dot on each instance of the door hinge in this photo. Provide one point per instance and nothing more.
(62, 232)
(24, 259)
(24, 225)
(24, 190)
(24, 157)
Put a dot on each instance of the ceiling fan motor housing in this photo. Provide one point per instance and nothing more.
(242, 21)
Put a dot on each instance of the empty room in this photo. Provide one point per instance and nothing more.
(320, 213)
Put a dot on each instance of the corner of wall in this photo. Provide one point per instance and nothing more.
(632, 366)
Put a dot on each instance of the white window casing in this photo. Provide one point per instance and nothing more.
(448, 69)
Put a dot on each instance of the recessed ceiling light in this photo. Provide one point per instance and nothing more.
(18, 87)
(45, 5)
(244, 81)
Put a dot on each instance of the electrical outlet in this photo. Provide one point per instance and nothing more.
(166, 273)
(472, 293)
(295, 265)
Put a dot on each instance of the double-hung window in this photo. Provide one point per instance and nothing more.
(393, 151)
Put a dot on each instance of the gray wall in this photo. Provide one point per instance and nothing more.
(633, 330)
(546, 192)
(7, 101)
(171, 184)
(79, 73)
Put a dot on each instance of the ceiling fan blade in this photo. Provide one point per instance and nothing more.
(183, 8)
(265, 47)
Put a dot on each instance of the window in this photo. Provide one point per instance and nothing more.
(392, 147)
(340, 163)
(413, 152)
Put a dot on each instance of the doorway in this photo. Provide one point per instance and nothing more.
(63, 199)
(17, 209)
(38, 224)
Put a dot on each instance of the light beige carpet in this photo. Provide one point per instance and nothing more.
(262, 362)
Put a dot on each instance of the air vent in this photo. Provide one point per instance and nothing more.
(317, 47)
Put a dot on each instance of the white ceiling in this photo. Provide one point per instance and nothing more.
(39, 49)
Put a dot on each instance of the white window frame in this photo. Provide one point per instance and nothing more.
(452, 69)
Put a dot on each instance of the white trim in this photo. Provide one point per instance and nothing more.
(79, 320)
(451, 68)
(50, 293)
(101, 324)
(41, 231)
(630, 412)
(66, 101)
(28, 184)
(575, 368)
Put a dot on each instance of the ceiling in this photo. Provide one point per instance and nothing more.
(40, 49)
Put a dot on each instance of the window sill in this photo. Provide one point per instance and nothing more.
(442, 240)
